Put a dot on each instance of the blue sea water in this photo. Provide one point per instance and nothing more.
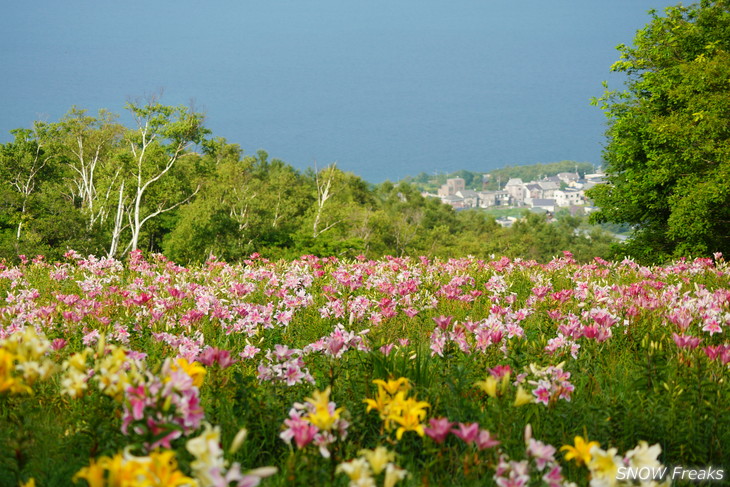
(383, 88)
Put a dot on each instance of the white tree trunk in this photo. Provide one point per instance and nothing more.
(323, 194)
(117, 231)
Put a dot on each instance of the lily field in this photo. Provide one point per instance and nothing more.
(400, 371)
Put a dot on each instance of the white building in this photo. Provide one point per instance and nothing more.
(569, 197)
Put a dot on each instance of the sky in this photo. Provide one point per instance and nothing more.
(385, 89)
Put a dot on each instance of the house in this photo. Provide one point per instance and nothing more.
(454, 201)
(568, 177)
(577, 210)
(590, 181)
(569, 197)
(598, 177)
(534, 191)
(517, 191)
(493, 198)
(545, 204)
(471, 198)
(505, 221)
(548, 188)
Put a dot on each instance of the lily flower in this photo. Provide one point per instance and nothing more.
(439, 429)
(324, 415)
(580, 451)
(488, 385)
(392, 386)
(522, 397)
(379, 458)
(485, 440)
(467, 432)
(408, 414)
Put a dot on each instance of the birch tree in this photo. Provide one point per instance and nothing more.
(162, 136)
(22, 163)
(90, 144)
(323, 180)
(118, 226)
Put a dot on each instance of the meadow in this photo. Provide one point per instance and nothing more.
(398, 371)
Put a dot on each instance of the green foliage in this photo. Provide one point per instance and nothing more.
(35, 197)
(157, 183)
(117, 189)
(669, 135)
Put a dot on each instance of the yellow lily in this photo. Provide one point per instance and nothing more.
(408, 414)
(378, 458)
(489, 385)
(162, 470)
(321, 417)
(93, 474)
(581, 452)
(522, 397)
(194, 369)
(393, 386)
(380, 403)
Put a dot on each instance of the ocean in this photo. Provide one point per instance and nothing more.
(384, 89)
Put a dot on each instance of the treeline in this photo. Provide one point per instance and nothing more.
(497, 178)
(90, 184)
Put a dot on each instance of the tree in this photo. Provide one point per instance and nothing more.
(38, 215)
(22, 163)
(249, 204)
(323, 180)
(668, 154)
(162, 137)
(89, 145)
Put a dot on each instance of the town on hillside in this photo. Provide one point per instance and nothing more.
(564, 190)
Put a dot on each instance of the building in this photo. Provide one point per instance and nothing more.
(568, 177)
(569, 197)
(533, 192)
(544, 204)
(454, 201)
(471, 198)
(493, 198)
(452, 186)
(548, 188)
(517, 191)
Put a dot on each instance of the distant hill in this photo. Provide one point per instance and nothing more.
(497, 178)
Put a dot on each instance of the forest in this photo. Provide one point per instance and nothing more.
(168, 185)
